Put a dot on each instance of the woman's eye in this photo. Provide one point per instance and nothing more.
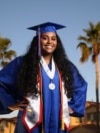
(44, 38)
(53, 39)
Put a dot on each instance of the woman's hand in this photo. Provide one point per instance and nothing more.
(70, 110)
(19, 106)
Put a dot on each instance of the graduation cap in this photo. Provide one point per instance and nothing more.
(45, 27)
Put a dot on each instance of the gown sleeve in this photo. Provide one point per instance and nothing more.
(8, 85)
(78, 100)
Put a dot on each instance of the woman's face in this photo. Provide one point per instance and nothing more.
(48, 42)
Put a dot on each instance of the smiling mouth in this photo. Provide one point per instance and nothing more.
(49, 46)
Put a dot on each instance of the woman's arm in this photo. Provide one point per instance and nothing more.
(8, 85)
(78, 100)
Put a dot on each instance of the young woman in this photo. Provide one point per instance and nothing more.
(44, 85)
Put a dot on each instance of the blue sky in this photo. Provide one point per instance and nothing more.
(16, 16)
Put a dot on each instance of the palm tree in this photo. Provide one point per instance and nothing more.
(5, 55)
(90, 46)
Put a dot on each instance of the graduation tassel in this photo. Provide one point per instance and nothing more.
(62, 124)
(42, 129)
(39, 45)
(61, 91)
(41, 98)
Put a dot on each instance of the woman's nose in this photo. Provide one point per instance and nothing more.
(49, 40)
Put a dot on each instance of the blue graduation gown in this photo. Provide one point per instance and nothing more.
(51, 104)
(9, 94)
(51, 98)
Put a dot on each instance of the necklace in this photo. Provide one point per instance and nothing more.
(49, 72)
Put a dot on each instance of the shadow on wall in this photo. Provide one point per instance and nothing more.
(88, 128)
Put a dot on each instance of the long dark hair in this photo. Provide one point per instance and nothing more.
(30, 67)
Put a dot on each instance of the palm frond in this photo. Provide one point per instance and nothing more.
(92, 26)
(9, 54)
(4, 44)
(5, 55)
(83, 38)
(85, 51)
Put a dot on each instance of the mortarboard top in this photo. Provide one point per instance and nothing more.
(47, 27)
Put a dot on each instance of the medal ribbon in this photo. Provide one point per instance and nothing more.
(49, 72)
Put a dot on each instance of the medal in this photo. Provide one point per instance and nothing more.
(51, 86)
(49, 72)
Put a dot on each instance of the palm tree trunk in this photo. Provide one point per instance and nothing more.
(97, 93)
